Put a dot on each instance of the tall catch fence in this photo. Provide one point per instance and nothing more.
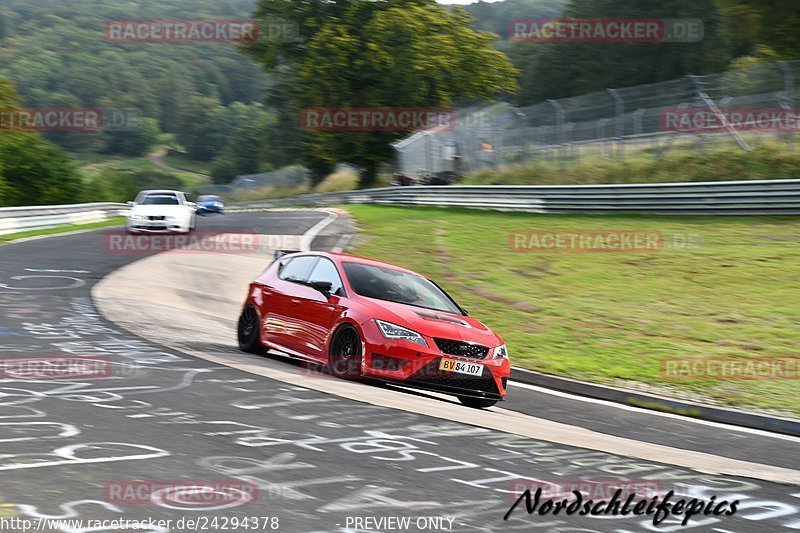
(618, 123)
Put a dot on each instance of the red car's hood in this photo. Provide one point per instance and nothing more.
(433, 323)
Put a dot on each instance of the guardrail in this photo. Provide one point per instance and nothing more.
(755, 197)
(16, 219)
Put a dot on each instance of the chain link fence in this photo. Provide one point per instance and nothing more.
(609, 124)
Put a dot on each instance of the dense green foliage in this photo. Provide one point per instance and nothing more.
(122, 184)
(733, 28)
(33, 171)
(769, 28)
(57, 55)
(557, 70)
(386, 53)
(224, 111)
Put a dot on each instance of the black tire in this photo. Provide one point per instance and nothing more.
(344, 359)
(248, 331)
(476, 403)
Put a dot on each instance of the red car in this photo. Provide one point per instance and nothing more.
(364, 318)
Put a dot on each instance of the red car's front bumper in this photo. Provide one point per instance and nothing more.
(418, 366)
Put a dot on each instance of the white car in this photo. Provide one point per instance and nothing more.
(162, 211)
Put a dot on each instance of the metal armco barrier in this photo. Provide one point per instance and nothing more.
(757, 197)
(16, 219)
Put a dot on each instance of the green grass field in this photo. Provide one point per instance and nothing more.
(115, 221)
(732, 292)
(189, 165)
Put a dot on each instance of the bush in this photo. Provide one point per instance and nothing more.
(342, 180)
(268, 193)
(122, 184)
(36, 171)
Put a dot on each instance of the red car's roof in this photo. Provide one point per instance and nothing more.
(348, 258)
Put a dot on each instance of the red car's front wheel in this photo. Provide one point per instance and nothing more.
(345, 355)
(476, 403)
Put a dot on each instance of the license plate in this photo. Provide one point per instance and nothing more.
(460, 367)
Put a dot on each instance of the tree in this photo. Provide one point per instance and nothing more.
(386, 53)
(244, 135)
(567, 69)
(37, 172)
(194, 124)
(32, 170)
(134, 141)
(773, 25)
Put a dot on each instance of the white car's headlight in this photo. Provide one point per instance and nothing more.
(138, 217)
(501, 352)
(395, 332)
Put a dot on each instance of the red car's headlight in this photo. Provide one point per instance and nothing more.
(501, 352)
(398, 333)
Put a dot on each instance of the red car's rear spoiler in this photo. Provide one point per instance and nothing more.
(281, 253)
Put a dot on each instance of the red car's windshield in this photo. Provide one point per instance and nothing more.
(397, 286)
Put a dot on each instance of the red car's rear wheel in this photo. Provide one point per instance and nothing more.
(248, 332)
(345, 356)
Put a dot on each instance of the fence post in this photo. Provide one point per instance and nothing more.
(428, 153)
(601, 135)
(619, 112)
(559, 131)
(708, 101)
(788, 99)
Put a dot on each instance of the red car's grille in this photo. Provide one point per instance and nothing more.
(430, 376)
(462, 349)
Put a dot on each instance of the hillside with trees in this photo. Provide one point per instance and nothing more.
(57, 56)
(234, 109)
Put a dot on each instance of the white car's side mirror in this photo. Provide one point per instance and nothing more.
(192, 205)
(131, 204)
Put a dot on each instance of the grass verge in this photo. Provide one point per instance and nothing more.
(681, 163)
(116, 221)
(722, 287)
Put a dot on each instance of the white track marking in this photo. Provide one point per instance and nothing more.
(624, 407)
(310, 235)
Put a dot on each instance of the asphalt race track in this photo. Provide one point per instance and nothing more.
(305, 458)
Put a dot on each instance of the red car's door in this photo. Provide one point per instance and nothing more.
(318, 311)
(281, 314)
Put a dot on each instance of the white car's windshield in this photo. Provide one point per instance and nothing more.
(160, 199)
